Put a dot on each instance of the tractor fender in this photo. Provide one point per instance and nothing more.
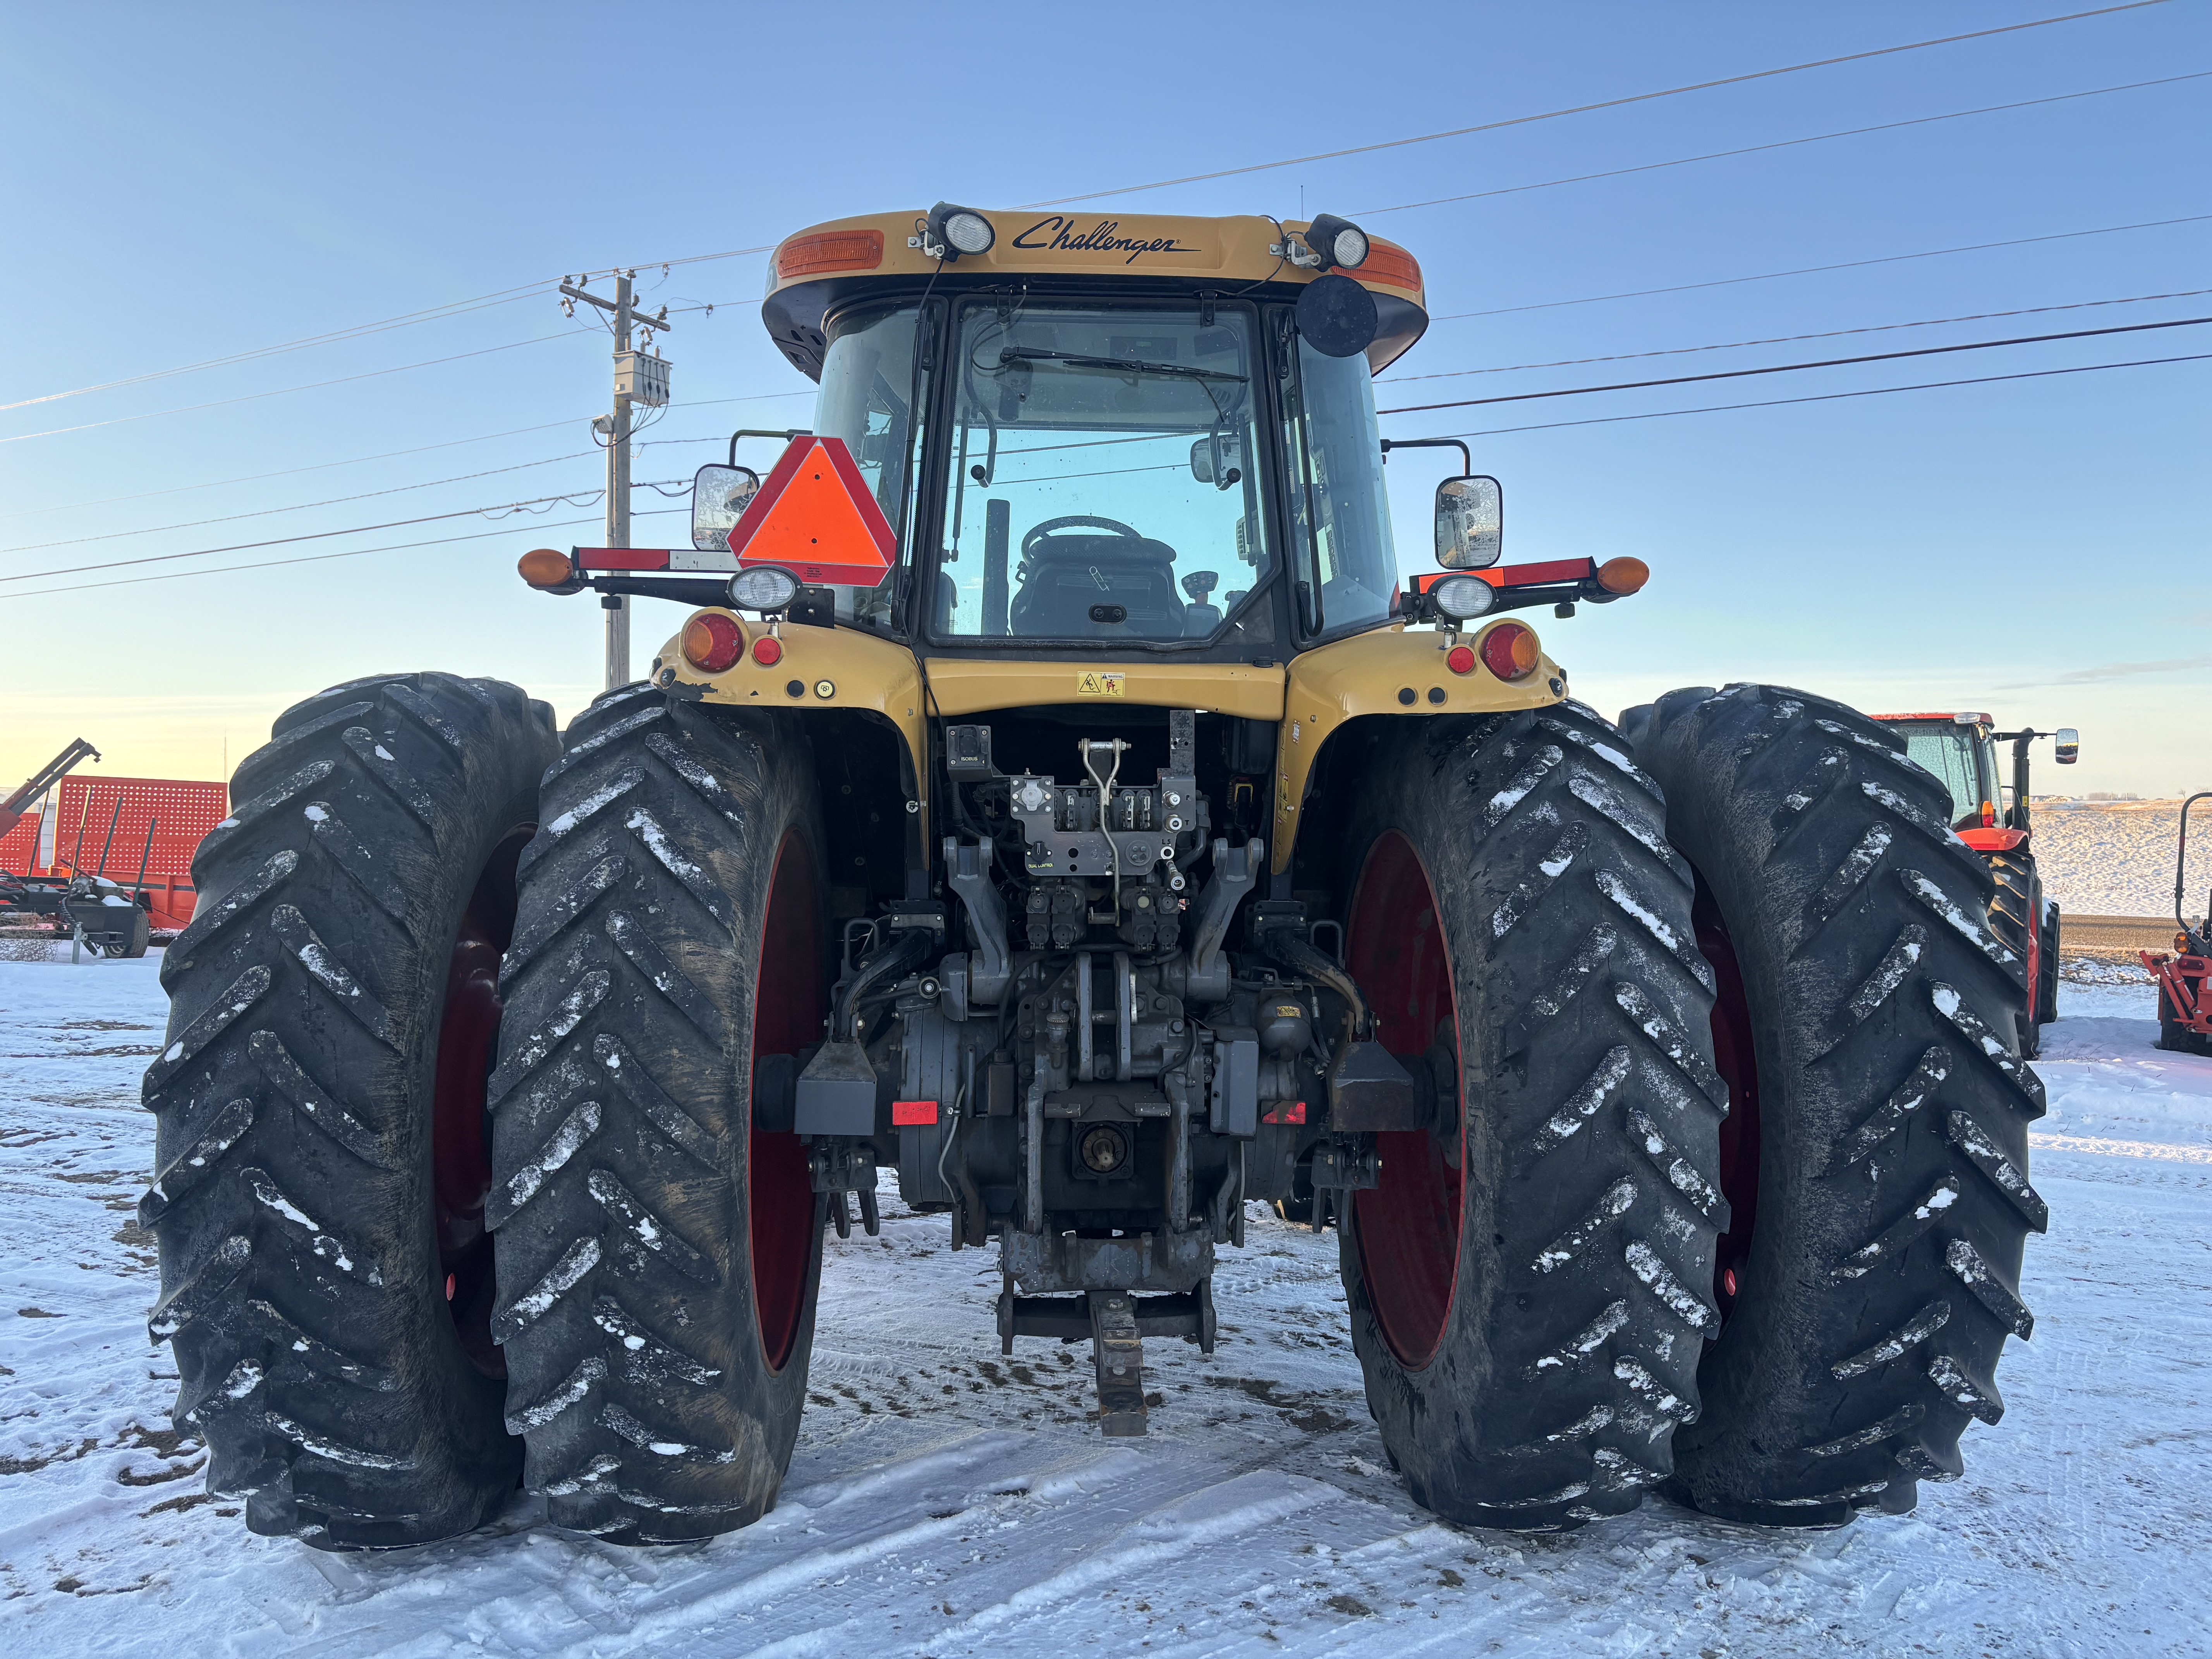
(1387, 671)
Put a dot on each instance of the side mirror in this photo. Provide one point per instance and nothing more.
(2068, 745)
(719, 497)
(1218, 459)
(1470, 523)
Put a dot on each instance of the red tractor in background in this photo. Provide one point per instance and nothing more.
(2184, 978)
(1961, 749)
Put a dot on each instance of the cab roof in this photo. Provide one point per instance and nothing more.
(820, 267)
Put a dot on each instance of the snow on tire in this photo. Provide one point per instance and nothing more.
(1528, 1287)
(1875, 1159)
(2016, 911)
(326, 1279)
(659, 1256)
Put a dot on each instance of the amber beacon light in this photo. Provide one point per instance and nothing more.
(545, 567)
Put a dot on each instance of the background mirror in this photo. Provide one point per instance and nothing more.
(1470, 523)
(1218, 459)
(719, 495)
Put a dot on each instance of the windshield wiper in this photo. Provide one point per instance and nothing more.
(1120, 365)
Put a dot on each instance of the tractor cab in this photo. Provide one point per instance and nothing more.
(1157, 436)
(1961, 750)
(1991, 817)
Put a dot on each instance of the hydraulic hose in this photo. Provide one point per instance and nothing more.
(908, 949)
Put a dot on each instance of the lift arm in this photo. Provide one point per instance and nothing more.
(42, 780)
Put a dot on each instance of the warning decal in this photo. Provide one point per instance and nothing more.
(815, 516)
(1091, 683)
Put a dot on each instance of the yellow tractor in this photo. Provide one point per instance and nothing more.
(1056, 800)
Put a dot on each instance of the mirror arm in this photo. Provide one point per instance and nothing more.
(762, 432)
(1466, 455)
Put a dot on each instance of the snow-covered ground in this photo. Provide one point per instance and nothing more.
(945, 1501)
(2102, 858)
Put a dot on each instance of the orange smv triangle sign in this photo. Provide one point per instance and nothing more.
(815, 516)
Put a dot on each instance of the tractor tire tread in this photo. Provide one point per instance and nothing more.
(291, 1209)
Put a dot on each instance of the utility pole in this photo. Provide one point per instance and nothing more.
(638, 378)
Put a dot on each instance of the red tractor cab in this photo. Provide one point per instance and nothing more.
(2184, 977)
(1990, 815)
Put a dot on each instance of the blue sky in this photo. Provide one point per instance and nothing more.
(188, 185)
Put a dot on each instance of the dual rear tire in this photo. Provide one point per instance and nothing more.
(1734, 1197)
(401, 1280)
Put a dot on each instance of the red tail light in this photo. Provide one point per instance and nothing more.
(1509, 652)
(768, 651)
(712, 641)
(1460, 659)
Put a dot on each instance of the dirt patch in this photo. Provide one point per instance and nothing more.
(32, 1465)
(178, 1505)
(1301, 1411)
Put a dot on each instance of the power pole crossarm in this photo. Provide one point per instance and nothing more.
(659, 324)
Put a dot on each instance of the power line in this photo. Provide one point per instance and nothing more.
(1786, 368)
(1585, 109)
(359, 330)
(1602, 420)
(1834, 397)
(393, 454)
(505, 296)
(290, 471)
(265, 511)
(1789, 340)
(1781, 143)
(266, 564)
(1815, 270)
(309, 558)
(574, 497)
(250, 396)
(577, 497)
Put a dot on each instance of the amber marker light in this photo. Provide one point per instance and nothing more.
(713, 641)
(834, 250)
(1509, 652)
(544, 567)
(1623, 576)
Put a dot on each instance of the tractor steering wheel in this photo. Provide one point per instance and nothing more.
(1038, 532)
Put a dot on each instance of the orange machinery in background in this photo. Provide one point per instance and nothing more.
(112, 827)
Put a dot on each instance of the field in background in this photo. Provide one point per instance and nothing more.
(2116, 858)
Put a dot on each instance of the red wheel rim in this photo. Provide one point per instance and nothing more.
(1737, 1062)
(787, 998)
(1409, 1225)
(460, 1133)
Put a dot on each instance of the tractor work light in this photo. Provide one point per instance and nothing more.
(713, 643)
(764, 587)
(1338, 241)
(1509, 651)
(1462, 597)
(545, 567)
(954, 230)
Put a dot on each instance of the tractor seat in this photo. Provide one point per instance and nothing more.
(1064, 576)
